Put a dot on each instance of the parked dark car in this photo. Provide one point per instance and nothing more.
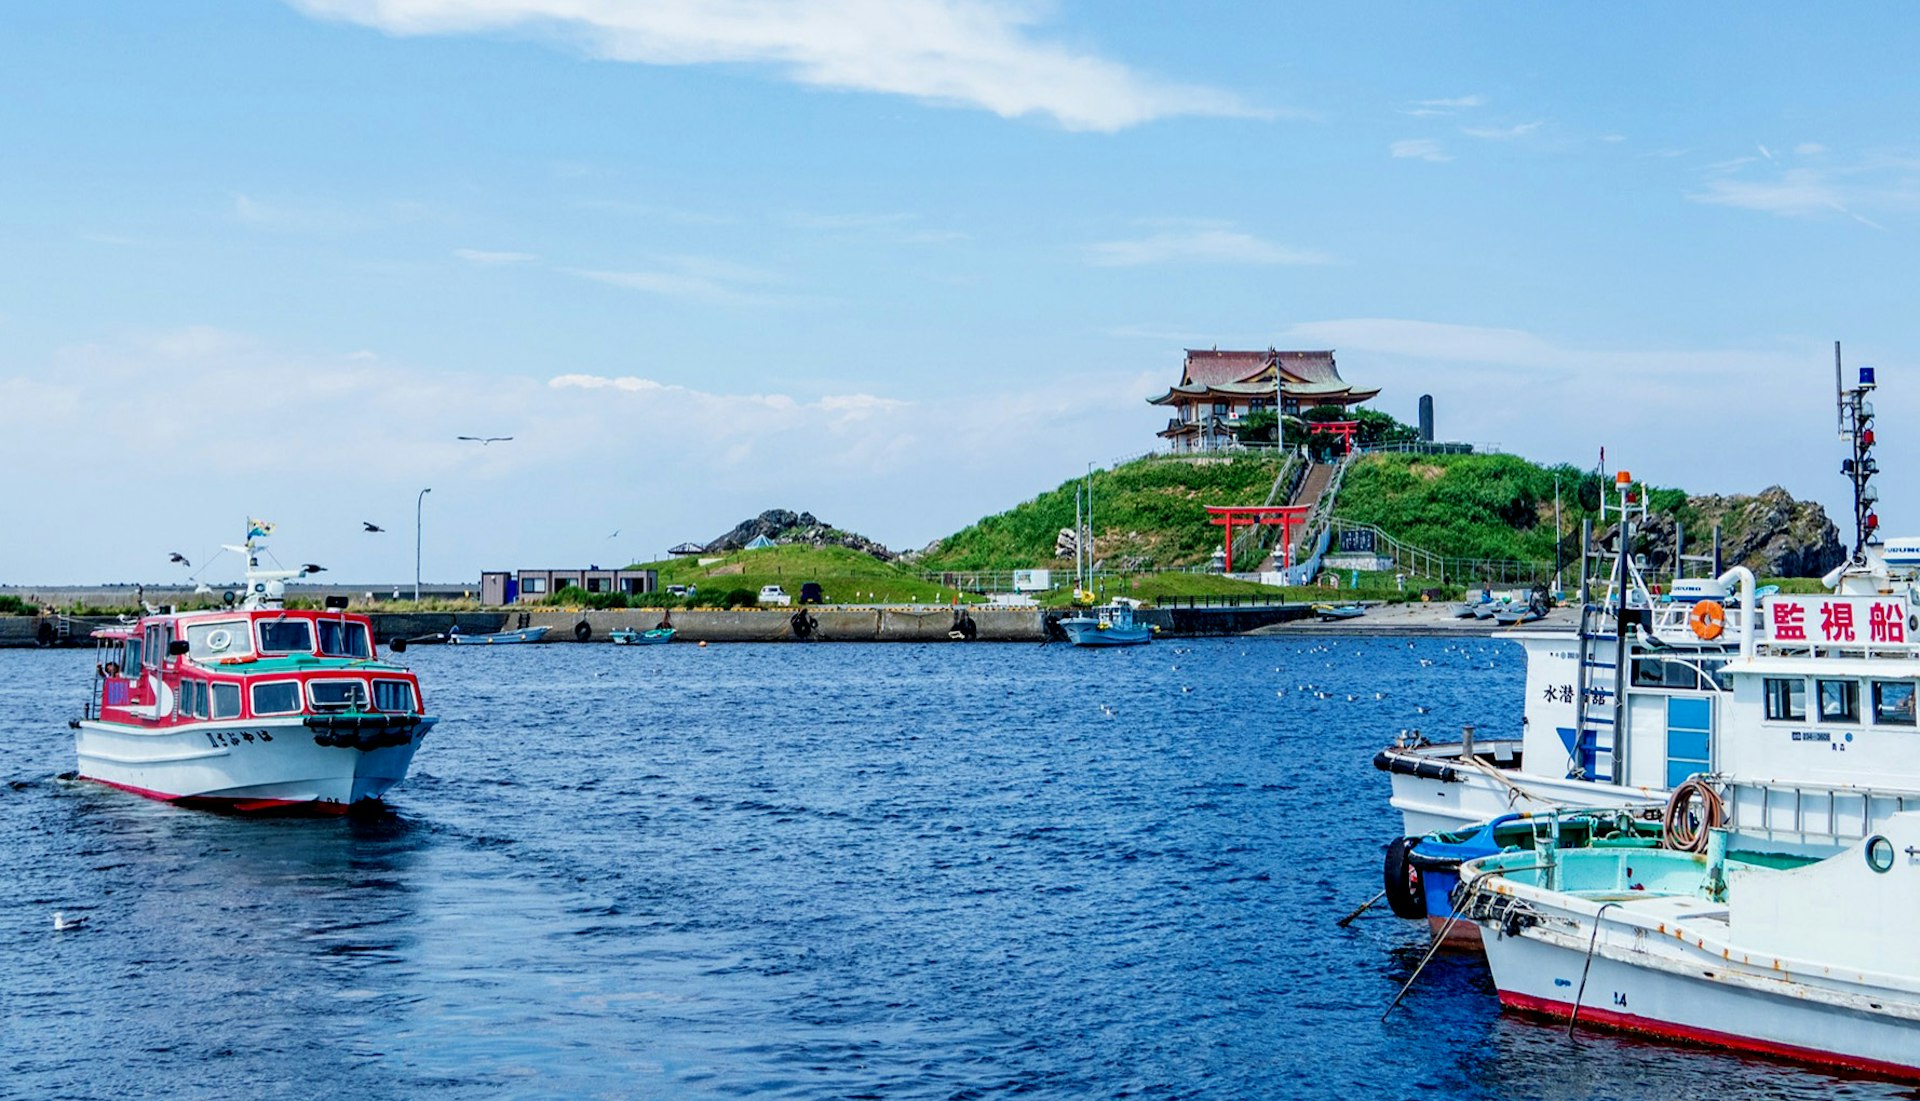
(810, 593)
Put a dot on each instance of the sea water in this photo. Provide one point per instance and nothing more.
(795, 871)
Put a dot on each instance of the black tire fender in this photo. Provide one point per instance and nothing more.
(1405, 893)
(582, 631)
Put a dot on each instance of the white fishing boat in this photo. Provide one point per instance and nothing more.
(1813, 961)
(1801, 704)
(251, 706)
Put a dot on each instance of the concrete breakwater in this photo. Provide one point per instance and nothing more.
(823, 623)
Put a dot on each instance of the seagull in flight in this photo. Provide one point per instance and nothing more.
(371, 526)
(176, 556)
(615, 535)
(485, 440)
(313, 567)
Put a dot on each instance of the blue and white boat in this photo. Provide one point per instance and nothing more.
(1112, 625)
(633, 636)
(498, 638)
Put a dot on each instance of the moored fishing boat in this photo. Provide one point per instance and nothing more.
(1113, 625)
(498, 638)
(1806, 959)
(252, 706)
(633, 636)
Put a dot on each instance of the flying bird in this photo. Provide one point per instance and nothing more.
(370, 526)
(485, 440)
(615, 535)
(313, 567)
(176, 556)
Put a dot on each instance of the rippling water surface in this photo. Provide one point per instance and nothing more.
(833, 871)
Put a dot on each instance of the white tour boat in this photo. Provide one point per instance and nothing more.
(252, 706)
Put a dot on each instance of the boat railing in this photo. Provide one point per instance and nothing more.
(1830, 814)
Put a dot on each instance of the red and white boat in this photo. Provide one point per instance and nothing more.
(250, 707)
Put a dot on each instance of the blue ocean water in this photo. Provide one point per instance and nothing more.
(834, 871)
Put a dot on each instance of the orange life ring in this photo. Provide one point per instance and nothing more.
(1707, 619)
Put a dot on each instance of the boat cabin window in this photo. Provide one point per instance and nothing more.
(191, 703)
(213, 641)
(158, 635)
(341, 638)
(286, 636)
(1893, 702)
(1786, 698)
(131, 666)
(280, 697)
(337, 695)
(392, 695)
(1660, 673)
(1839, 701)
(225, 703)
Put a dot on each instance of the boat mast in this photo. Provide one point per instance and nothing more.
(1856, 427)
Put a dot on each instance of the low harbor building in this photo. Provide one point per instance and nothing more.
(1218, 389)
(499, 588)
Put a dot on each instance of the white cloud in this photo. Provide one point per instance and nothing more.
(488, 258)
(657, 452)
(695, 278)
(1507, 133)
(1205, 246)
(1433, 108)
(1422, 149)
(977, 53)
(1865, 189)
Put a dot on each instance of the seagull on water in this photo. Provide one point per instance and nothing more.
(62, 923)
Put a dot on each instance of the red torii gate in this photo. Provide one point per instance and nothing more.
(1343, 429)
(1226, 516)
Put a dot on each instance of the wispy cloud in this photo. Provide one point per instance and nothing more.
(1434, 108)
(694, 278)
(1419, 149)
(976, 53)
(488, 258)
(1813, 186)
(1204, 246)
(1501, 133)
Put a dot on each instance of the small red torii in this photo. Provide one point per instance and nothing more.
(1343, 429)
(1286, 516)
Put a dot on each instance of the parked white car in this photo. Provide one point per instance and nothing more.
(774, 594)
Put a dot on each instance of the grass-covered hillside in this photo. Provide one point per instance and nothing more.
(847, 576)
(1477, 506)
(1146, 513)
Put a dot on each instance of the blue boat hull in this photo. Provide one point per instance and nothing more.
(1093, 635)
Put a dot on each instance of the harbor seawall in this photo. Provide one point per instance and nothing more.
(831, 623)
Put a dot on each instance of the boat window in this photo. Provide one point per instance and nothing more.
(337, 695)
(1658, 673)
(131, 667)
(1786, 698)
(1716, 670)
(286, 636)
(280, 697)
(226, 701)
(225, 639)
(392, 695)
(343, 638)
(1893, 702)
(1839, 701)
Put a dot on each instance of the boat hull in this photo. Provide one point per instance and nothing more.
(252, 765)
(1436, 790)
(1705, 1000)
(502, 638)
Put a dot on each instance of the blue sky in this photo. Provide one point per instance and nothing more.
(900, 263)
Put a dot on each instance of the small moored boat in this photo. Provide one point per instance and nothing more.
(498, 638)
(633, 636)
(1329, 612)
(1113, 625)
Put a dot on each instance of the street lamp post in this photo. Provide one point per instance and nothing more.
(417, 503)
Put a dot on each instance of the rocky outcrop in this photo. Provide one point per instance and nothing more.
(1769, 532)
(795, 528)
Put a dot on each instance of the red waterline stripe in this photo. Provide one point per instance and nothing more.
(1707, 1037)
(244, 806)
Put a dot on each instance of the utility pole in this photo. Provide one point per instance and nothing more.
(417, 503)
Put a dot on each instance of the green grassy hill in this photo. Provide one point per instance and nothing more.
(1147, 512)
(847, 576)
(1477, 506)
